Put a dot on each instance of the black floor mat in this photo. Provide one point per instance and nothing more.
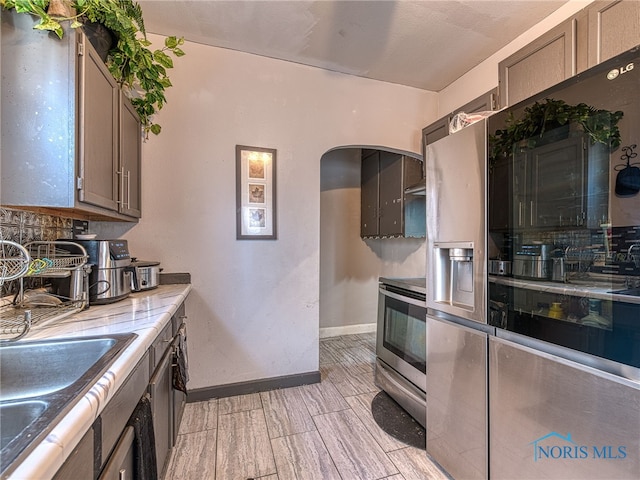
(394, 420)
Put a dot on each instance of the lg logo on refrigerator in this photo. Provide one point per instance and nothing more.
(619, 71)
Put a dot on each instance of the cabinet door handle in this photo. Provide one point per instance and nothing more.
(531, 213)
(519, 214)
(120, 199)
(127, 205)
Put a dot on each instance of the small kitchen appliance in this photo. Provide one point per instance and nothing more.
(534, 262)
(110, 277)
(145, 275)
(500, 267)
(401, 343)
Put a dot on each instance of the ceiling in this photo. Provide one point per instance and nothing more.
(425, 44)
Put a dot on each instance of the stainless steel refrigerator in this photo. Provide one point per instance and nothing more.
(457, 330)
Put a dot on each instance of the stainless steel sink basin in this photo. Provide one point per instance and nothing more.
(40, 368)
(15, 416)
(40, 381)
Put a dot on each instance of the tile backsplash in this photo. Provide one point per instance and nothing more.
(22, 227)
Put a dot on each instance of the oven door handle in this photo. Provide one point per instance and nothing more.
(402, 298)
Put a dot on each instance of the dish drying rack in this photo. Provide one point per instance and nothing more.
(42, 259)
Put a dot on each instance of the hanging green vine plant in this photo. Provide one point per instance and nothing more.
(601, 126)
(140, 72)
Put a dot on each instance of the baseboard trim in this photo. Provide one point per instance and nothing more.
(253, 386)
(347, 330)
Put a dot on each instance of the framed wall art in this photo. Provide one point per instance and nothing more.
(255, 193)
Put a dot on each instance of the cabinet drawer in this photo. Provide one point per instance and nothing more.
(178, 318)
(160, 345)
(121, 465)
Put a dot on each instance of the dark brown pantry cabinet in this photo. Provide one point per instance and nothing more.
(386, 211)
(71, 141)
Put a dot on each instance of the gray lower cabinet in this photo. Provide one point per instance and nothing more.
(121, 464)
(70, 140)
(179, 397)
(551, 418)
(106, 452)
(167, 403)
(161, 392)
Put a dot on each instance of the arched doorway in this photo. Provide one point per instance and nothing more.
(350, 265)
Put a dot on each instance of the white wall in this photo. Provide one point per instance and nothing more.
(349, 265)
(254, 309)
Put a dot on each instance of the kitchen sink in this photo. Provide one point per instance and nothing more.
(41, 381)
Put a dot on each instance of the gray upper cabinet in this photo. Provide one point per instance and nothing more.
(435, 131)
(546, 61)
(369, 179)
(386, 211)
(598, 32)
(613, 29)
(440, 128)
(129, 170)
(98, 127)
(71, 143)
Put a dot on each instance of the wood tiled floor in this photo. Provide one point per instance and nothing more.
(323, 431)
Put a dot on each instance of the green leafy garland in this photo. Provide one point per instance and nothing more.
(600, 125)
(138, 70)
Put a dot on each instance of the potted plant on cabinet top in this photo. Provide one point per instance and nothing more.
(141, 72)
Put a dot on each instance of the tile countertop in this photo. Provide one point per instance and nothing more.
(144, 313)
(572, 289)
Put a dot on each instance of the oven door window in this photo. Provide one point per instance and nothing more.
(405, 332)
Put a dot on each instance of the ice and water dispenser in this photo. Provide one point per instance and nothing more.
(454, 279)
